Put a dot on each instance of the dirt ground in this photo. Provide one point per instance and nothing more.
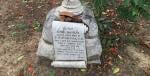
(19, 40)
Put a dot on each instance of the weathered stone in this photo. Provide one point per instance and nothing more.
(73, 6)
(93, 45)
(45, 49)
(69, 41)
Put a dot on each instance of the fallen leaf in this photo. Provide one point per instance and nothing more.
(110, 63)
(116, 70)
(20, 58)
(30, 68)
(20, 73)
(147, 43)
(33, 73)
(114, 50)
(120, 57)
(83, 70)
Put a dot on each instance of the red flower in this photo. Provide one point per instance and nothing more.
(114, 50)
(30, 68)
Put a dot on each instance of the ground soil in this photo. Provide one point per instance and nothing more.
(18, 47)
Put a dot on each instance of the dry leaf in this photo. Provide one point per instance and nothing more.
(116, 70)
(30, 69)
(83, 70)
(120, 57)
(20, 58)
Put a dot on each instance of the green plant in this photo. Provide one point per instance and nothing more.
(37, 26)
(105, 26)
(14, 34)
(52, 72)
(133, 9)
(22, 26)
(100, 5)
(130, 10)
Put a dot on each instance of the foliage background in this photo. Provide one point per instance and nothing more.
(111, 16)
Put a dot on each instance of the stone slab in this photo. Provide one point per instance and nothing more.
(69, 41)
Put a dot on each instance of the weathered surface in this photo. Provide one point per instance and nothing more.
(73, 6)
(69, 44)
(69, 41)
(93, 45)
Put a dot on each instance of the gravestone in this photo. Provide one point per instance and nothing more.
(69, 43)
(54, 45)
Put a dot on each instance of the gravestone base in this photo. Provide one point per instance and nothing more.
(69, 64)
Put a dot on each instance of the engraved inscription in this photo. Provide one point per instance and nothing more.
(69, 41)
